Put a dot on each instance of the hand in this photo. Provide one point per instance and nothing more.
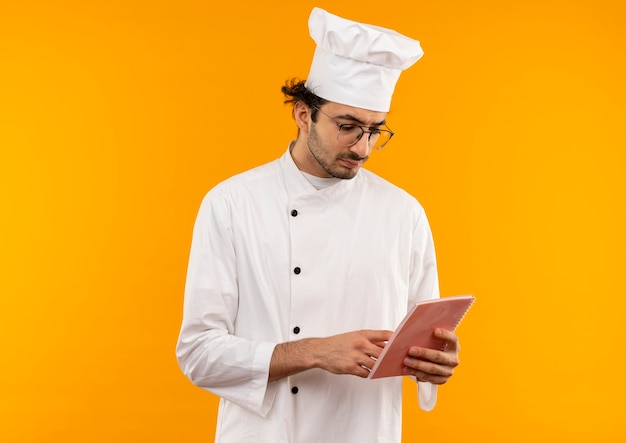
(351, 353)
(431, 365)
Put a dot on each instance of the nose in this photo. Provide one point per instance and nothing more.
(361, 148)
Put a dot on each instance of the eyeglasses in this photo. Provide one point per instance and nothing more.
(349, 135)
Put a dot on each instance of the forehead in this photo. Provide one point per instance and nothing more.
(363, 116)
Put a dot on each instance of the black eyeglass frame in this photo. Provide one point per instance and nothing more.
(363, 129)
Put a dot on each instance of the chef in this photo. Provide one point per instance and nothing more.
(300, 268)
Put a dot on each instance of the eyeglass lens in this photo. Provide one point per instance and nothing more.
(350, 135)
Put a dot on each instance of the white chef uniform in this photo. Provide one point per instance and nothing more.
(275, 260)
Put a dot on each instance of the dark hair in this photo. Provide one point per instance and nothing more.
(295, 91)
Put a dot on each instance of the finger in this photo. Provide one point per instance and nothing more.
(362, 371)
(369, 362)
(428, 367)
(446, 358)
(377, 336)
(451, 339)
(375, 342)
(423, 376)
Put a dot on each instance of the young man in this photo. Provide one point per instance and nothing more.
(300, 268)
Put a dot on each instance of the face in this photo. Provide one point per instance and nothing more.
(328, 155)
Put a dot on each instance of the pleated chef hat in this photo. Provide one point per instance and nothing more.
(357, 64)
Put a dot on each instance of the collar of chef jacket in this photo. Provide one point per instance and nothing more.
(301, 191)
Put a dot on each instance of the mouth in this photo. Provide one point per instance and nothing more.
(351, 164)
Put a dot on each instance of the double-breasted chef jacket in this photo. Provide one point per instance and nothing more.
(275, 260)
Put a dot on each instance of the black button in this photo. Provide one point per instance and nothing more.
(296, 330)
(294, 390)
(296, 270)
(294, 212)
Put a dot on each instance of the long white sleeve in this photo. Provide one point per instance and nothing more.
(424, 285)
(230, 366)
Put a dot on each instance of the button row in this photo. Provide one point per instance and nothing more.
(296, 271)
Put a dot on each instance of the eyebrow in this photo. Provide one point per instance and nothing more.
(359, 121)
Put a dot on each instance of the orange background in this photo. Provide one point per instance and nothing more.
(117, 116)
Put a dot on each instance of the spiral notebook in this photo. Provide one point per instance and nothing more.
(417, 330)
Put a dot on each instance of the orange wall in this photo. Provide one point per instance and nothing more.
(117, 116)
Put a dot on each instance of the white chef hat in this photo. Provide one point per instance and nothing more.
(357, 64)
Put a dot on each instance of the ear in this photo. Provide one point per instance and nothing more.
(302, 115)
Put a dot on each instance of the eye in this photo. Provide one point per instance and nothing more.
(348, 129)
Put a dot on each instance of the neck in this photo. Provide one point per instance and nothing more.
(305, 161)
